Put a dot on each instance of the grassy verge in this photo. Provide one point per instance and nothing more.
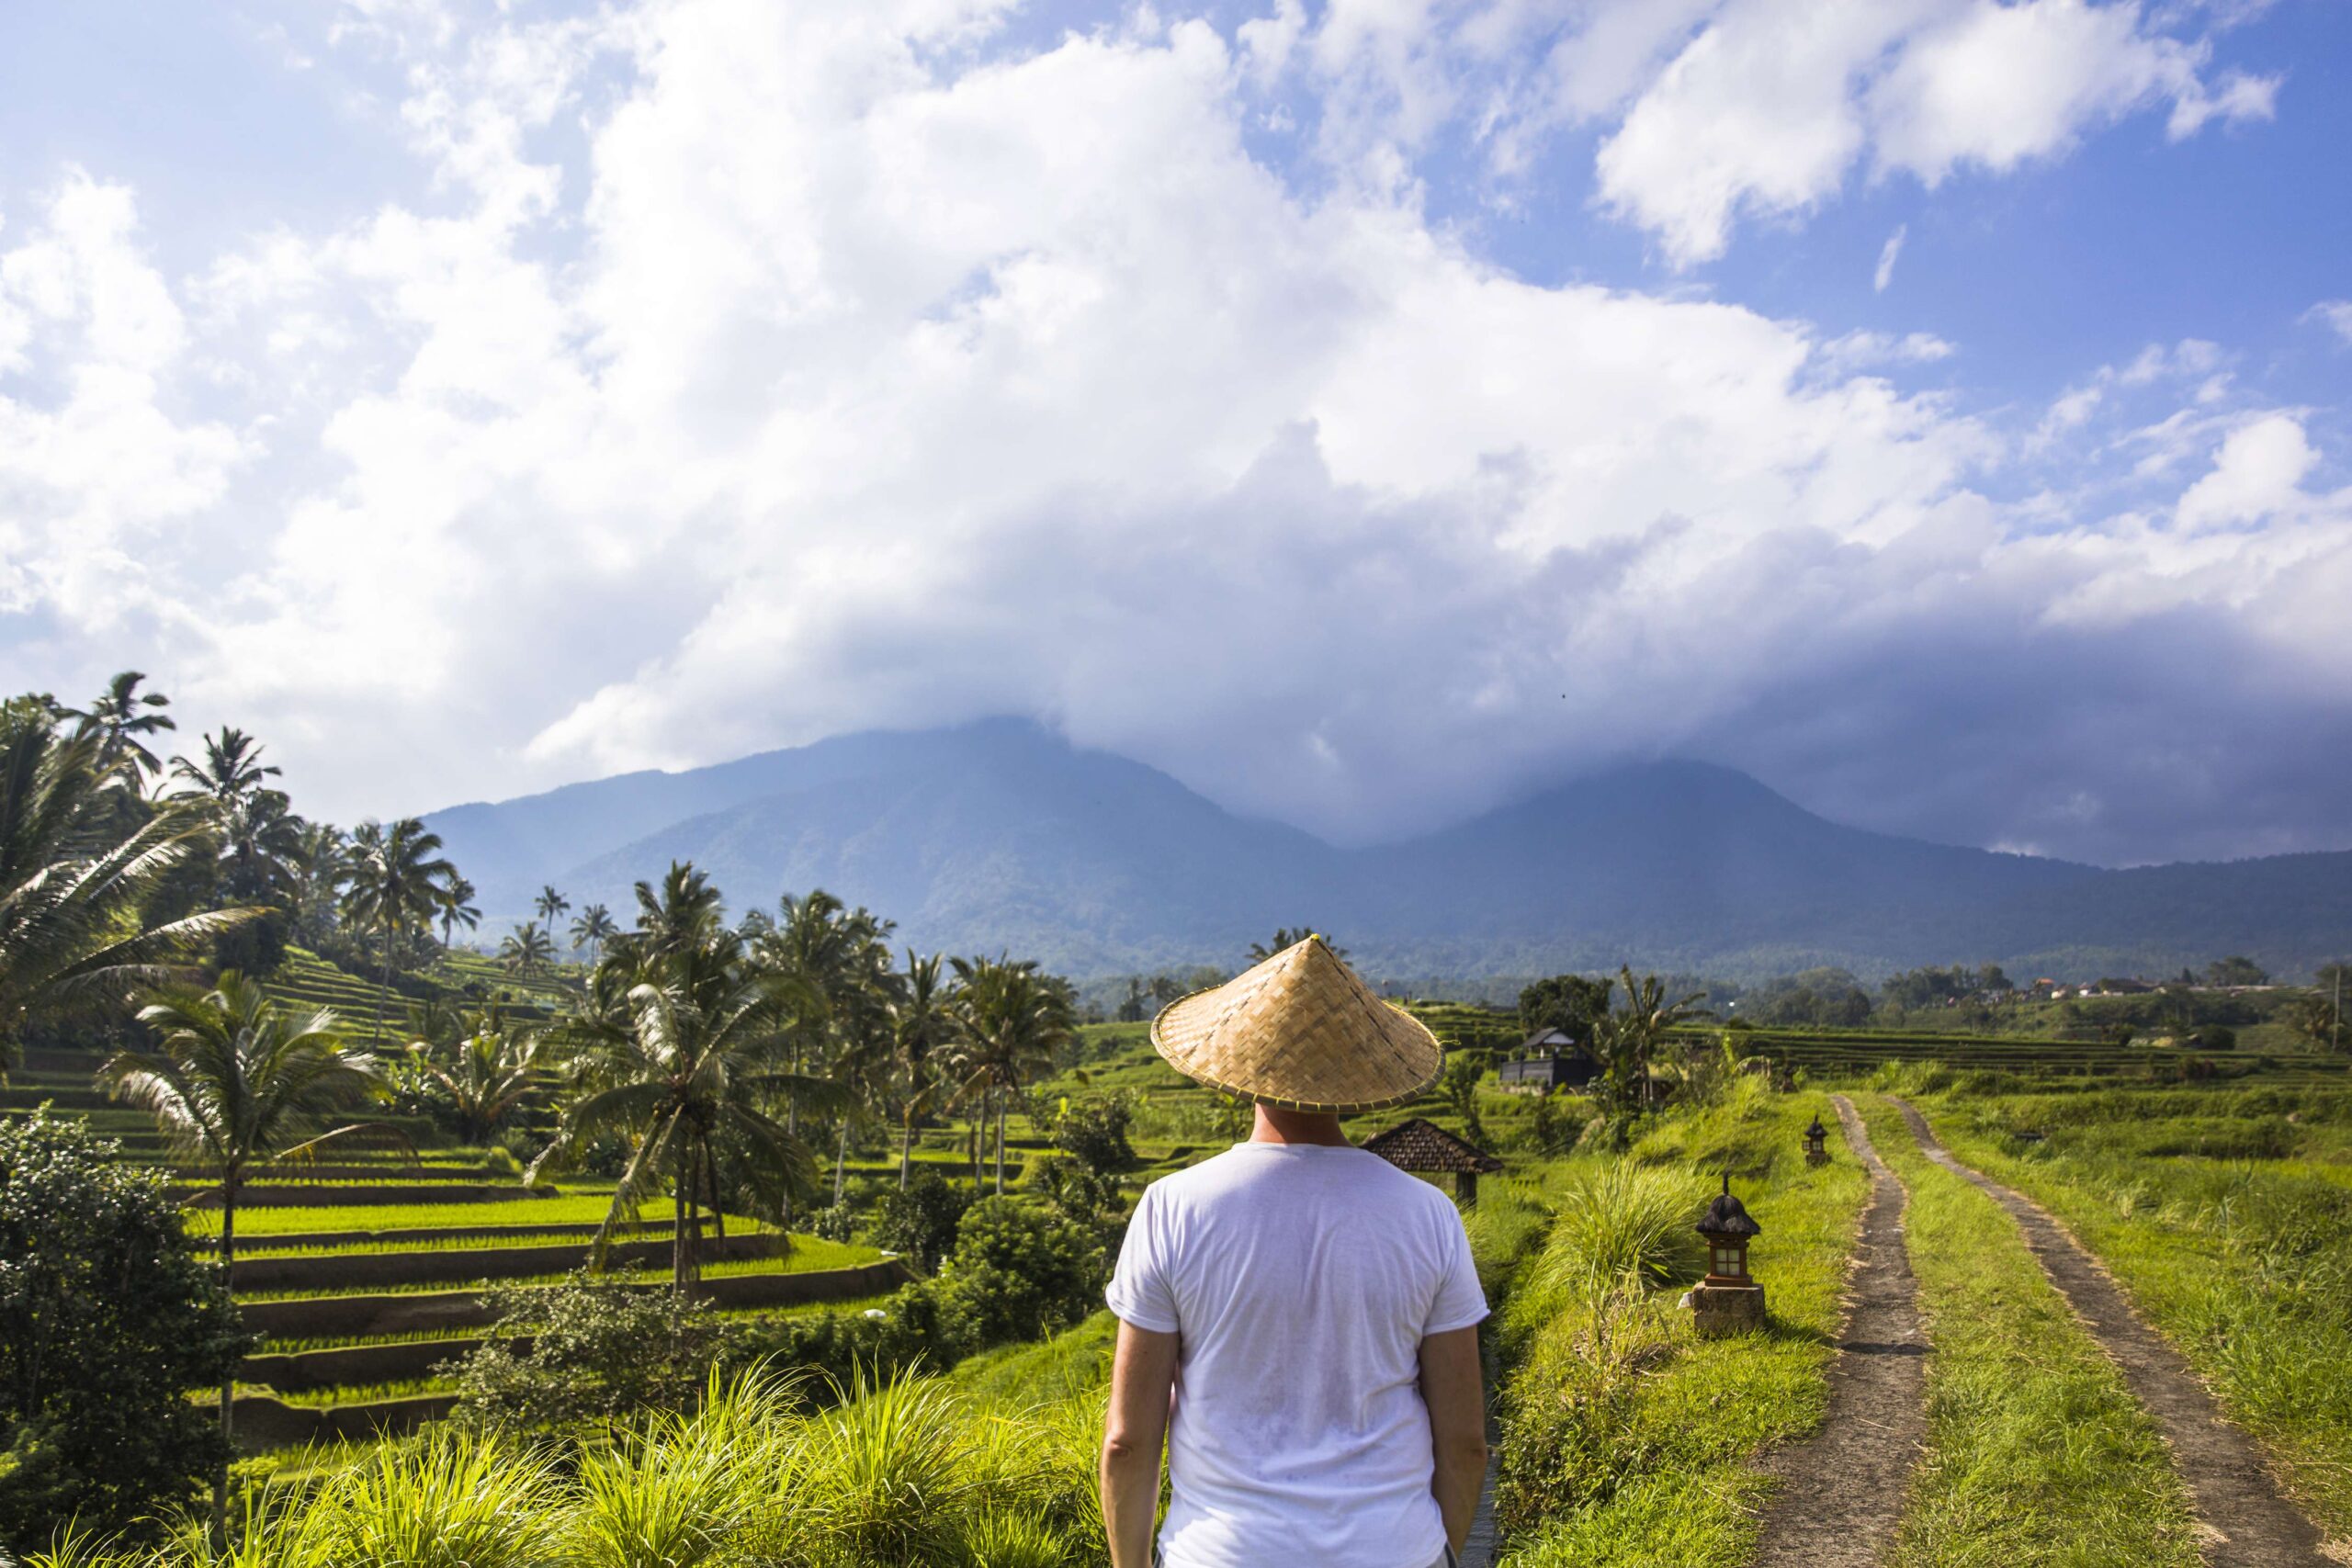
(2036, 1450)
(2243, 1265)
(1627, 1440)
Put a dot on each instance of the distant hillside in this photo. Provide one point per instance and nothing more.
(1000, 836)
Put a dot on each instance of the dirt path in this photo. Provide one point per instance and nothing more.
(2246, 1523)
(1841, 1490)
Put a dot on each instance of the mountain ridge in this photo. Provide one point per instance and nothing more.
(999, 835)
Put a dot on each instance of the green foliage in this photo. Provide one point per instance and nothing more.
(919, 1222)
(107, 1319)
(1458, 1087)
(1616, 1226)
(585, 1352)
(1017, 1272)
(1826, 998)
(2236, 970)
(1569, 1003)
(1094, 1132)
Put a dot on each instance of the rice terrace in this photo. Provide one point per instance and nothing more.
(1175, 783)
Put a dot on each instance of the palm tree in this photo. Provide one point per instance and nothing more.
(232, 1082)
(490, 1075)
(77, 876)
(322, 865)
(1013, 1020)
(120, 718)
(926, 1023)
(1286, 937)
(231, 768)
(680, 914)
(457, 908)
(592, 930)
(551, 903)
(836, 962)
(684, 1062)
(1628, 1041)
(396, 881)
(527, 950)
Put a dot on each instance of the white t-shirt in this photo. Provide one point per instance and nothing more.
(1302, 1279)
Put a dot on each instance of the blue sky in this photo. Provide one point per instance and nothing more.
(1366, 411)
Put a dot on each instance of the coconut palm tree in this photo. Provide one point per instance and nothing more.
(1628, 1041)
(233, 1081)
(321, 865)
(527, 950)
(1286, 937)
(231, 768)
(551, 904)
(592, 930)
(121, 717)
(1013, 1020)
(491, 1074)
(77, 876)
(823, 950)
(685, 1060)
(397, 876)
(926, 1023)
(457, 908)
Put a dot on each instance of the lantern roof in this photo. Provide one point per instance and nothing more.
(1728, 1216)
(1816, 1131)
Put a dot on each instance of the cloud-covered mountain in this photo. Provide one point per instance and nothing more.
(1000, 836)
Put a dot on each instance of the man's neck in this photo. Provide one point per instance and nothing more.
(1279, 1126)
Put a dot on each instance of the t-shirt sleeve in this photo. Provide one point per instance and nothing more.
(1139, 1291)
(1459, 1302)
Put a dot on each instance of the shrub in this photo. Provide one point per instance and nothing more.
(596, 1352)
(1017, 1272)
(918, 1222)
(835, 1221)
(1094, 1132)
(108, 1318)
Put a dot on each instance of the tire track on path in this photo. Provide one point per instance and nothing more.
(1842, 1489)
(2248, 1523)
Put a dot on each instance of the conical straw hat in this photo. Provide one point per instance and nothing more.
(1302, 1033)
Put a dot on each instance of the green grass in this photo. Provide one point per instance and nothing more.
(2037, 1453)
(1074, 1362)
(584, 1209)
(2242, 1264)
(1627, 1440)
(808, 1254)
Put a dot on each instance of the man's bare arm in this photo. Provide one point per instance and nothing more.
(1452, 1388)
(1143, 1377)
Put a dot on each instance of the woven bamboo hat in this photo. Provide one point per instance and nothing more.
(1302, 1033)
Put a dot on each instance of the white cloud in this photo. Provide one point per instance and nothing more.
(1767, 108)
(849, 374)
(2335, 315)
(93, 458)
(2259, 472)
(1887, 253)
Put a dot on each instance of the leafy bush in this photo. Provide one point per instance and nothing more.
(108, 1318)
(918, 1222)
(1017, 1272)
(1094, 1132)
(588, 1351)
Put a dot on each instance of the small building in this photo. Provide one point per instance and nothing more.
(1547, 1061)
(1423, 1146)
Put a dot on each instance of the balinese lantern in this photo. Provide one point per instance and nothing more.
(1728, 1301)
(1728, 1230)
(1816, 1138)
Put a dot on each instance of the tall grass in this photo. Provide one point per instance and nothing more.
(1615, 1227)
(905, 1472)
